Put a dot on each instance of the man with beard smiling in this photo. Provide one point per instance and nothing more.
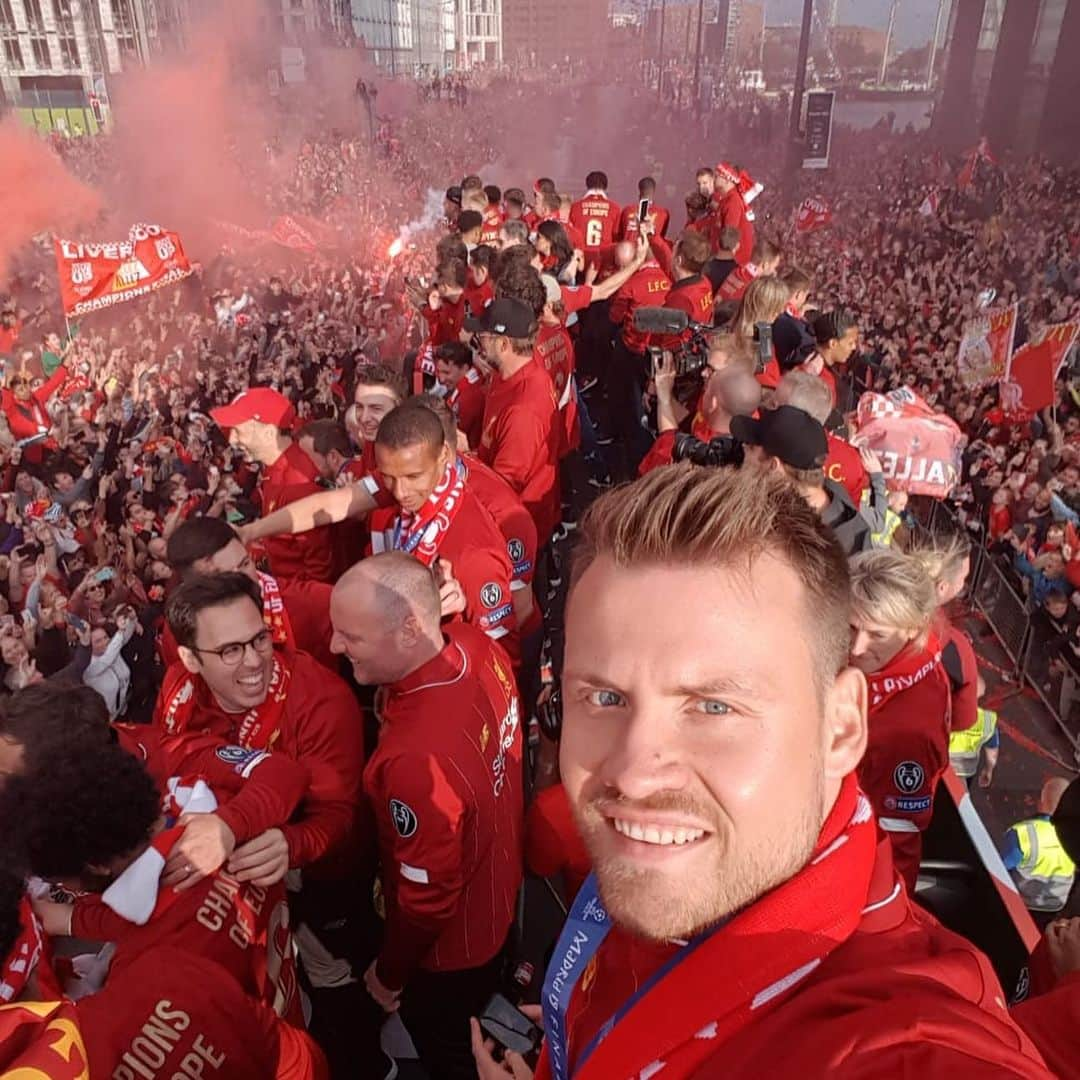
(742, 919)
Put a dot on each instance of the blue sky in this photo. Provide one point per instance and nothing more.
(914, 18)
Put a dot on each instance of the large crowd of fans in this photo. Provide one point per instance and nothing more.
(286, 649)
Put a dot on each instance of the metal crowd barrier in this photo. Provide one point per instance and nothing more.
(991, 590)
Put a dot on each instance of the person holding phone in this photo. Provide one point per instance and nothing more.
(645, 209)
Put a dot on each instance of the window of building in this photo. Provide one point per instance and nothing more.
(12, 53)
(69, 52)
(33, 15)
(40, 48)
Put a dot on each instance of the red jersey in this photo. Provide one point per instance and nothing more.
(477, 297)
(965, 697)
(307, 556)
(466, 401)
(554, 349)
(553, 844)
(1052, 1022)
(628, 221)
(321, 725)
(907, 750)
(731, 211)
(446, 322)
(597, 218)
(489, 231)
(737, 282)
(693, 295)
(573, 234)
(509, 514)
(575, 298)
(170, 1012)
(475, 548)
(648, 287)
(845, 467)
(522, 439)
(448, 806)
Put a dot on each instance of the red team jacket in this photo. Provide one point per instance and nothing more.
(309, 556)
(648, 287)
(844, 466)
(522, 440)
(731, 211)
(447, 801)
(322, 726)
(466, 401)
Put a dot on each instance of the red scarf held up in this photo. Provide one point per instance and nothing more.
(907, 668)
(765, 951)
(421, 534)
(257, 729)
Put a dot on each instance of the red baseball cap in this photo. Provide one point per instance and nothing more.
(261, 403)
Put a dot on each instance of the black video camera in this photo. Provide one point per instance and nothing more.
(718, 452)
(692, 353)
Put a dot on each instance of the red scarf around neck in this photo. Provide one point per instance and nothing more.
(421, 534)
(257, 729)
(907, 668)
(274, 614)
(763, 952)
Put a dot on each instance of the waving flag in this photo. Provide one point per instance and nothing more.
(929, 206)
(1028, 385)
(97, 275)
(919, 448)
(814, 213)
(986, 347)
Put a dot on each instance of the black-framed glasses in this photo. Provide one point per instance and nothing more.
(231, 655)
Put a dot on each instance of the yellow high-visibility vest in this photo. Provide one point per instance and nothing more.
(1045, 874)
(965, 746)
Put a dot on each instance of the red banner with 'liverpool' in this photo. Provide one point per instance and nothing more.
(919, 448)
(97, 275)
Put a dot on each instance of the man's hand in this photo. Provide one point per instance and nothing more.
(451, 594)
(664, 376)
(986, 776)
(870, 461)
(1063, 942)
(202, 849)
(387, 999)
(513, 1065)
(263, 861)
(55, 918)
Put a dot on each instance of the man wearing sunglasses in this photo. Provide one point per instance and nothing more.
(27, 413)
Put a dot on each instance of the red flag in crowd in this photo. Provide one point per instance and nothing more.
(929, 206)
(1028, 385)
(814, 213)
(919, 448)
(42, 1039)
(302, 233)
(98, 275)
(981, 152)
(986, 346)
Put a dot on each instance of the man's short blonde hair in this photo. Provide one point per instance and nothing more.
(687, 515)
(892, 589)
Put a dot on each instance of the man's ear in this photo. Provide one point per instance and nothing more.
(189, 659)
(845, 723)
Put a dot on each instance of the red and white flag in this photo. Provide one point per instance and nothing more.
(929, 206)
(97, 275)
(814, 213)
(919, 448)
(981, 152)
(986, 347)
(1028, 385)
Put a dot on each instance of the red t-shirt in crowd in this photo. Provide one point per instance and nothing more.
(474, 547)
(466, 401)
(307, 556)
(489, 231)
(845, 467)
(648, 287)
(597, 218)
(522, 439)
(736, 283)
(731, 211)
(448, 809)
(321, 726)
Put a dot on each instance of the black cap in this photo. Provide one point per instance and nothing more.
(453, 194)
(1066, 820)
(787, 433)
(508, 317)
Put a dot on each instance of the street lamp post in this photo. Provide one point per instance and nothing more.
(797, 95)
(660, 53)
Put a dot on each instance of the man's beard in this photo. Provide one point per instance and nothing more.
(663, 905)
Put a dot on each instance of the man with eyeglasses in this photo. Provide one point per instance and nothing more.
(233, 682)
